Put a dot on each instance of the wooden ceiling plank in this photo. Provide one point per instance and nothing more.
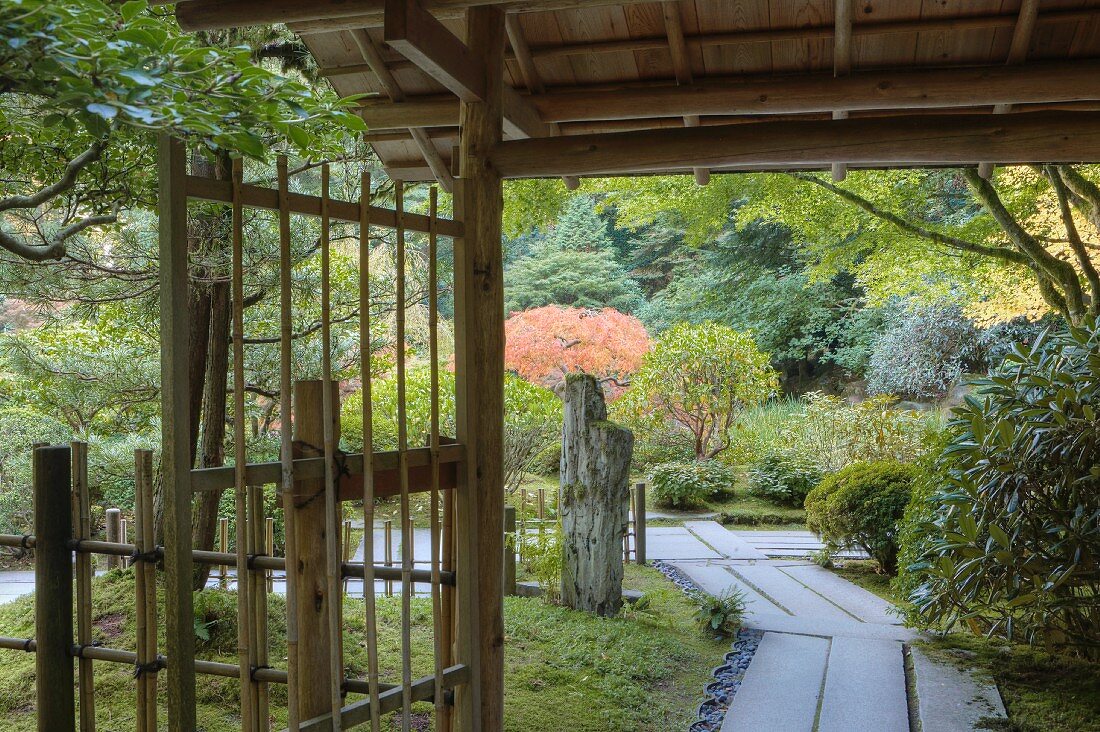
(681, 64)
(842, 63)
(1054, 137)
(1017, 54)
(1063, 81)
(427, 148)
(530, 73)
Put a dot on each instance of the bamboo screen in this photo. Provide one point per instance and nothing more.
(314, 479)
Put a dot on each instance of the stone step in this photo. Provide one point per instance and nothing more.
(675, 542)
(867, 606)
(723, 541)
(781, 623)
(951, 699)
(781, 687)
(864, 687)
(788, 593)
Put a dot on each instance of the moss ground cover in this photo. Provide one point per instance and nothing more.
(563, 669)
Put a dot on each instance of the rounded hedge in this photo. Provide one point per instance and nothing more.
(862, 505)
(690, 483)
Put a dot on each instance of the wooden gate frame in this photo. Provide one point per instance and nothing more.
(479, 378)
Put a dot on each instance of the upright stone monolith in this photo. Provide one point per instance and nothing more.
(595, 493)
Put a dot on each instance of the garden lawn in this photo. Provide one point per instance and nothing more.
(564, 670)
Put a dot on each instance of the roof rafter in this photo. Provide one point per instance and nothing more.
(681, 63)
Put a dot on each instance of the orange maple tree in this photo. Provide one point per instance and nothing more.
(544, 344)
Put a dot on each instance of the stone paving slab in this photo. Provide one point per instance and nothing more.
(715, 579)
(864, 687)
(676, 542)
(723, 541)
(781, 687)
(950, 699)
(788, 593)
(867, 606)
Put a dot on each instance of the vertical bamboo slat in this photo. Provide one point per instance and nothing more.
(286, 445)
(223, 543)
(145, 584)
(387, 540)
(346, 549)
(403, 467)
(245, 657)
(114, 534)
(433, 443)
(82, 527)
(332, 544)
(269, 550)
(369, 598)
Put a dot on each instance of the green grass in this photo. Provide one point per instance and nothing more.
(1042, 692)
(743, 511)
(864, 572)
(563, 669)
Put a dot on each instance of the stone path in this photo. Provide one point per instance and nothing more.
(710, 540)
(833, 657)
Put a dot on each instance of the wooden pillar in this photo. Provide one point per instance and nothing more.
(114, 535)
(176, 443)
(314, 653)
(479, 375)
(53, 583)
(639, 523)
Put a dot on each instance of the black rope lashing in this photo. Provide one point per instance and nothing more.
(152, 667)
(27, 645)
(152, 556)
(24, 545)
(78, 650)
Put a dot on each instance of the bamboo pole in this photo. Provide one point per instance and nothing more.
(245, 655)
(332, 546)
(223, 545)
(145, 584)
(403, 468)
(269, 550)
(53, 580)
(258, 644)
(387, 538)
(369, 598)
(433, 443)
(124, 536)
(286, 446)
(346, 549)
(447, 722)
(82, 523)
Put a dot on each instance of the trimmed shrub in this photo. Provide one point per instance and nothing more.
(690, 483)
(862, 505)
(784, 477)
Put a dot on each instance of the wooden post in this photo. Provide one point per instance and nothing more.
(53, 582)
(175, 347)
(639, 523)
(114, 535)
(510, 550)
(314, 657)
(479, 390)
(82, 525)
(387, 538)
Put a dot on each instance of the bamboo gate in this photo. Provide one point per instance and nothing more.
(313, 477)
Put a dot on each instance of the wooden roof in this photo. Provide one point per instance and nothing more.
(583, 67)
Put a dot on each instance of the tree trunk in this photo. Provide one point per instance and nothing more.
(212, 447)
(595, 491)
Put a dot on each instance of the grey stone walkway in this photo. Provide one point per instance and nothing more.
(833, 655)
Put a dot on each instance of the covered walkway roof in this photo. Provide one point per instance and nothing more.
(598, 87)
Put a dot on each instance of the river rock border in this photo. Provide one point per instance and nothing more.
(728, 676)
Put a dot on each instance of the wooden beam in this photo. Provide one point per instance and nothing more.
(842, 62)
(418, 36)
(479, 390)
(1057, 137)
(521, 118)
(437, 110)
(1063, 81)
(176, 446)
(1017, 54)
(334, 15)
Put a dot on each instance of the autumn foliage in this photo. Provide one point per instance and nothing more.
(544, 344)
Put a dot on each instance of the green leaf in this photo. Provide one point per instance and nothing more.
(132, 9)
(105, 111)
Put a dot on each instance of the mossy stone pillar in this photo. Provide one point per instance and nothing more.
(594, 499)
